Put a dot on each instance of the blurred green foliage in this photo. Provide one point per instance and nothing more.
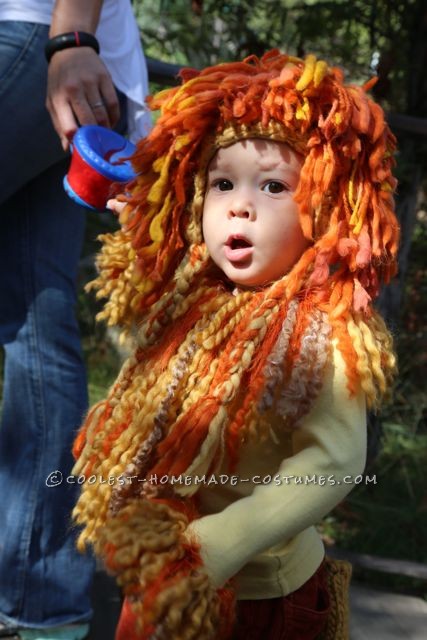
(384, 36)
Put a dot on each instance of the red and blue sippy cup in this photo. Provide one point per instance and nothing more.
(99, 159)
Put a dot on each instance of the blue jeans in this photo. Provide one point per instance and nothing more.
(44, 581)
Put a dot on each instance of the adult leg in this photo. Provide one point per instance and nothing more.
(43, 580)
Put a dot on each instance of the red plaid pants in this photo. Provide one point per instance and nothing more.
(302, 615)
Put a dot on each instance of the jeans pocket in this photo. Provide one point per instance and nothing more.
(16, 40)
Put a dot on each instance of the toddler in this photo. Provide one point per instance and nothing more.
(251, 247)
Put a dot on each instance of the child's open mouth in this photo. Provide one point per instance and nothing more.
(238, 248)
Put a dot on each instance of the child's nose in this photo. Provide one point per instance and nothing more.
(242, 207)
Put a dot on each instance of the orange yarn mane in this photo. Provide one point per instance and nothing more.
(345, 192)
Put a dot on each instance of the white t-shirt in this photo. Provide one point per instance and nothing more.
(120, 49)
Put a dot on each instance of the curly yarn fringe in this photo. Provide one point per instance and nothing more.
(162, 575)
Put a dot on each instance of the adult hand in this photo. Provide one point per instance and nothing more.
(79, 91)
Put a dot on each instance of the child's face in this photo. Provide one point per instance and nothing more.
(250, 220)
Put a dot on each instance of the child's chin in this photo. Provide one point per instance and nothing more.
(247, 282)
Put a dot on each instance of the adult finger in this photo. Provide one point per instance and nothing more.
(111, 100)
(98, 108)
(63, 119)
(82, 110)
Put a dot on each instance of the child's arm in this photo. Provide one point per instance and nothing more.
(331, 441)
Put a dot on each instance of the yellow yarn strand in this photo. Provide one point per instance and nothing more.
(308, 73)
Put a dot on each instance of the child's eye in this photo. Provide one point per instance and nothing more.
(273, 186)
(222, 184)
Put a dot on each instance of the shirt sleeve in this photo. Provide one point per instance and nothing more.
(330, 442)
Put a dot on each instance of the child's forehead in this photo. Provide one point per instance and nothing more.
(264, 154)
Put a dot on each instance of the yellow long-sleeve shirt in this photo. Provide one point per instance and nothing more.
(263, 534)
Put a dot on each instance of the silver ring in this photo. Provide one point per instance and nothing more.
(95, 105)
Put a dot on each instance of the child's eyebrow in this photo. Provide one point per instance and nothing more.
(272, 165)
(227, 167)
(220, 166)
